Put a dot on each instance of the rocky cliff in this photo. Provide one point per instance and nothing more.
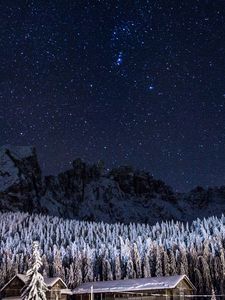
(87, 192)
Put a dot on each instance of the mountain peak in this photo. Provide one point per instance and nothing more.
(87, 192)
(18, 152)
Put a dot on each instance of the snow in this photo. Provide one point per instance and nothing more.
(140, 284)
(50, 281)
(35, 287)
(22, 277)
(66, 292)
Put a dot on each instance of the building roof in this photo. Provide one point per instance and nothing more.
(22, 277)
(66, 292)
(49, 281)
(132, 285)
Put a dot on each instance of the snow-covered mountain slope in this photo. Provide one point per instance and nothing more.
(86, 192)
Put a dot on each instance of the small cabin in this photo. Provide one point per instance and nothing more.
(171, 287)
(57, 289)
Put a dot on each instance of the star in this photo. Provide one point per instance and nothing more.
(119, 60)
(81, 79)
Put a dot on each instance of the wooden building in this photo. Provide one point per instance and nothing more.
(171, 287)
(57, 289)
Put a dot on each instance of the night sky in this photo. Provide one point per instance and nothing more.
(129, 82)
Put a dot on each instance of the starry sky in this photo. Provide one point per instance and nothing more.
(137, 83)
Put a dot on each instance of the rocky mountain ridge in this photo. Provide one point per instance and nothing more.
(87, 192)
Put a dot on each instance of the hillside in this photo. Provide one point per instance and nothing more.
(88, 192)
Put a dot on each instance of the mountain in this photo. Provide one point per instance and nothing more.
(87, 192)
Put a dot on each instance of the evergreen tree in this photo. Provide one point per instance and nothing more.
(198, 280)
(137, 261)
(70, 278)
(158, 271)
(166, 266)
(77, 271)
(118, 274)
(35, 287)
(146, 266)
(57, 264)
(172, 260)
(213, 295)
(130, 269)
(183, 261)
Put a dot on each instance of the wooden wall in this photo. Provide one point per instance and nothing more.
(13, 288)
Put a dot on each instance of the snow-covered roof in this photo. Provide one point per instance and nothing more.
(66, 292)
(49, 281)
(132, 285)
(21, 277)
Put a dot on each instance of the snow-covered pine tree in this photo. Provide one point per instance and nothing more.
(183, 261)
(70, 276)
(166, 266)
(130, 273)
(172, 263)
(137, 261)
(109, 274)
(118, 271)
(57, 263)
(213, 295)
(158, 270)
(77, 271)
(198, 280)
(146, 266)
(35, 287)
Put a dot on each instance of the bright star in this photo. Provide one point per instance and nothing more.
(119, 59)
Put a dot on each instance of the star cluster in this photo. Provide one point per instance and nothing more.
(129, 82)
